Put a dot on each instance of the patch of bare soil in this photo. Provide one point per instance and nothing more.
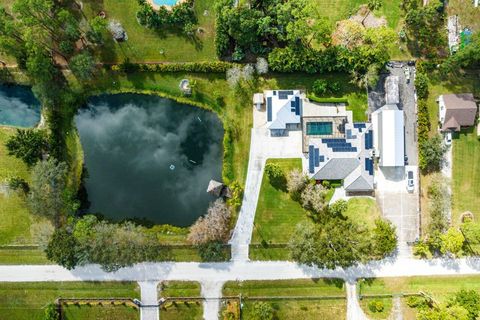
(368, 19)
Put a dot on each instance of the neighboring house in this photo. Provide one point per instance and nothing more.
(284, 110)
(389, 140)
(456, 111)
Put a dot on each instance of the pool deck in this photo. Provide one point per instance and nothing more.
(168, 7)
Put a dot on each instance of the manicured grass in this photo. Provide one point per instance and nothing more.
(466, 175)
(180, 309)
(179, 289)
(363, 211)
(73, 312)
(23, 256)
(26, 300)
(441, 288)
(15, 217)
(269, 253)
(277, 214)
(288, 308)
(146, 44)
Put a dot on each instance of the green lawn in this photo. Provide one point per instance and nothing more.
(465, 189)
(363, 211)
(179, 289)
(277, 214)
(16, 220)
(466, 174)
(145, 45)
(439, 287)
(288, 308)
(108, 312)
(387, 304)
(23, 256)
(181, 309)
(26, 300)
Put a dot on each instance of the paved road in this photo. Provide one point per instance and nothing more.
(212, 275)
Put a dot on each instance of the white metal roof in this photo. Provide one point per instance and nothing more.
(391, 139)
(281, 108)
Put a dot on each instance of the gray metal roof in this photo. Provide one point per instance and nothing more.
(360, 184)
(337, 169)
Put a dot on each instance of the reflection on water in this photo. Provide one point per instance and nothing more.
(149, 157)
(18, 106)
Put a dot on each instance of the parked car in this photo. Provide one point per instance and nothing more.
(410, 183)
(448, 138)
(405, 159)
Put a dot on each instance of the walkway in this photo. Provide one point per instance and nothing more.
(149, 294)
(354, 311)
(262, 147)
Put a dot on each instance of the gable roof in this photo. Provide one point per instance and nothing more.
(337, 169)
(360, 184)
(460, 111)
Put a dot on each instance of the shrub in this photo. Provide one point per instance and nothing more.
(423, 122)
(384, 239)
(376, 306)
(261, 66)
(418, 302)
(320, 87)
(51, 312)
(28, 145)
(421, 85)
(296, 182)
(214, 226)
(313, 198)
(17, 183)
(212, 251)
(276, 176)
(237, 193)
(470, 300)
(431, 154)
(262, 311)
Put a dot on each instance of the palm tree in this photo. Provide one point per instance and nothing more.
(372, 5)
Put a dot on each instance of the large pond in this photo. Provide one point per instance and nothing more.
(18, 106)
(149, 157)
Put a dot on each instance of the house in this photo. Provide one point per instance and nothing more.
(284, 110)
(456, 111)
(336, 149)
(389, 139)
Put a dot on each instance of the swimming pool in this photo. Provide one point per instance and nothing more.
(319, 128)
(165, 2)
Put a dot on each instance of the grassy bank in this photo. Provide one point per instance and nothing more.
(288, 307)
(26, 300)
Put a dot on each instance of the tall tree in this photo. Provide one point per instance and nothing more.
(28, 145)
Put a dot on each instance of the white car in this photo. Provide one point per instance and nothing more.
(448, 138)
(407, 73)
(410, 183)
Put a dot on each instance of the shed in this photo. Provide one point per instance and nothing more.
(258, 100)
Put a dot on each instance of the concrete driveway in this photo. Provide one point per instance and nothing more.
(398, 205)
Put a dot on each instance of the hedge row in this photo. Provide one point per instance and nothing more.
(201, 67)
(327, 100)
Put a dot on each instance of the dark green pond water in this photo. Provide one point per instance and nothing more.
(18, 106)
(149, 157)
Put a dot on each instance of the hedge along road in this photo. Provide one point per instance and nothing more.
(213, 275)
